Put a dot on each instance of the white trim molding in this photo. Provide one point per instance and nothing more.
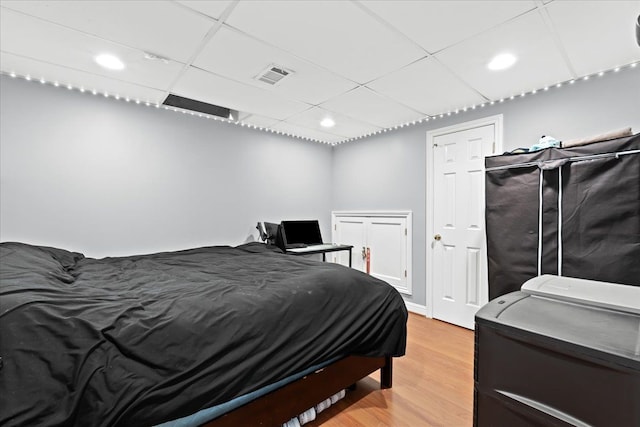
(416, 308)
(372, 213)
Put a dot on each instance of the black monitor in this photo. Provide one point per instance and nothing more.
(300, 233)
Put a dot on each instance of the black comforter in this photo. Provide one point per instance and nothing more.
(140, 340)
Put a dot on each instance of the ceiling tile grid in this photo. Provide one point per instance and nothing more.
(370, 65)
(337, 34)
(258, 121)
(30, 37)
(345, 127)
(240, 57)
(293, 129)
(370, 107)
(213, 89)
(435, 25)
(591, 45)
(69, 78)
(159, 27)
(428, 87)
(213, 9)
(539, 62)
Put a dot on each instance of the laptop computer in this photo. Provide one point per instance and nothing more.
(302, 235)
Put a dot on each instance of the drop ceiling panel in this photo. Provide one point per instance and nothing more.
(78, 79)
(213, 9)
(539, 63)
(309, 133)
(438, 24)
(369, 107)
(428, 87)
(24, 35)
(207, 87)
(364, 63)
(588, 42)
(160, 27)
(260, 121)
(307, 83)
(338, 35)
(344, 126)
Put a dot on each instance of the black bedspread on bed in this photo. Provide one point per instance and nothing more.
(140, 340)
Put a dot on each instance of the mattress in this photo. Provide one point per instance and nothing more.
(208, 414)
(141, 340)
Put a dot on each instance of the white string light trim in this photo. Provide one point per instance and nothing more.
(148, 103)
(426, 118)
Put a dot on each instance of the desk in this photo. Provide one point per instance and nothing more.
(320, 250)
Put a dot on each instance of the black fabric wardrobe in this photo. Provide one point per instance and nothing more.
(565, 211)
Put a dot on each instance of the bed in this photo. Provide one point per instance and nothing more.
(150, 339)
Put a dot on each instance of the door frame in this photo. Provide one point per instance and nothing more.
(497, 121)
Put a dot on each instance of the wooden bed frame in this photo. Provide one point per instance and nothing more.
(279, 406)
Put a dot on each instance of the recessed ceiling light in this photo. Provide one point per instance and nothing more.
(109, 62)
(502, 61)
(327, 122)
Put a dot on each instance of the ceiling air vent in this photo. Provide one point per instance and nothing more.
(273, 74)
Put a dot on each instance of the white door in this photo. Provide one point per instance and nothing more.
(351, 231)
(385, 238)
(387, 243)
(458, 249)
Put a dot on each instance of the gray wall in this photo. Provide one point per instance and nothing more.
(104, 177)
(388, 171)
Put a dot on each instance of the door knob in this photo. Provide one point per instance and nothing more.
(437, 237)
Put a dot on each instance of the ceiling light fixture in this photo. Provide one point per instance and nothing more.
(110, 62)
(327, 122)
(502, 62)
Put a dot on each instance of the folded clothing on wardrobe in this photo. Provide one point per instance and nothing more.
(619, 133)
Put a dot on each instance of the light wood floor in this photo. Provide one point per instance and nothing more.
(432, 384)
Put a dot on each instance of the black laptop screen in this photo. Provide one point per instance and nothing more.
(301, 232)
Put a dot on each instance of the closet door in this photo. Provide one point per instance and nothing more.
(387, 243)
(386, 238)
(351, 231)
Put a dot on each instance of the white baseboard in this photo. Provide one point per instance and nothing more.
(416, 308)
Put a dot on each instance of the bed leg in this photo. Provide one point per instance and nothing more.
(386, 373)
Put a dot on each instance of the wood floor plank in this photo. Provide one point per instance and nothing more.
(432, 384)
